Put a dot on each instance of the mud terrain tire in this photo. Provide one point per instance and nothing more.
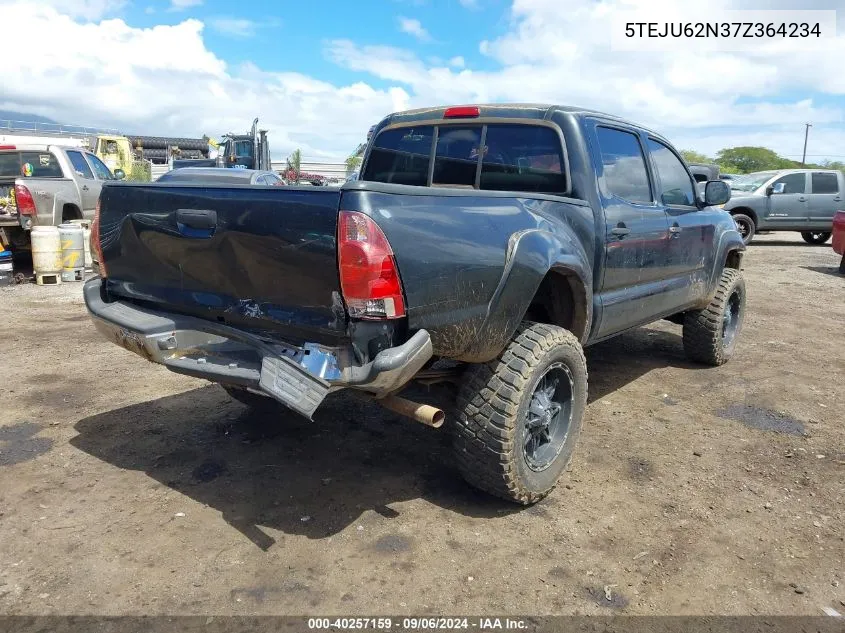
(519, 416)
(710, 335)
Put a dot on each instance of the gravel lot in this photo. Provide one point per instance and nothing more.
(126, 489)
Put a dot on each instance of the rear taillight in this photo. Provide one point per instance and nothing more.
(369, 278)
(24, 201)
(96, 248)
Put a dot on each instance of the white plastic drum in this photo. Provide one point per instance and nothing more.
(86, 235)
(73, 252)
(46, 254)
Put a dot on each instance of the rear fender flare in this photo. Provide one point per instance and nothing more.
(729, 241)
(532, 254)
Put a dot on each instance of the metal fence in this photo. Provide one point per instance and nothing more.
(51, 129)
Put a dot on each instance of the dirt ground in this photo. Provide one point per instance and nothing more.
(126, 489)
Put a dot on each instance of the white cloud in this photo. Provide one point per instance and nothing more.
(233, 27)
(181, 5)
(413, 27)
(169, 82)
(555, 56)
(85, 9)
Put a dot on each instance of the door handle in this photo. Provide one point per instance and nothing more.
(802, 199)
(196, 222)
(675, 229)
(620, 230)
(837, 199)
(84, 187)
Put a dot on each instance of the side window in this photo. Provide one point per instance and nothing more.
(522, 158)
(100, 168)
(39, 165)
(676, 187)
(792, 183)
(80, 165)
(623, 164)
(825, 183)
(401, 156)
(456, 157)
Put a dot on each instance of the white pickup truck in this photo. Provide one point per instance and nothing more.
(44, 185)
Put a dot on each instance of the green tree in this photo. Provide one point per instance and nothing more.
(833, 164)
(294, 165)
(695, 157)
(750, 159)
(352, 163)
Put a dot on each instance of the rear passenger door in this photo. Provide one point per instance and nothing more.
(636, 230)
(824, 200)
(691, 229)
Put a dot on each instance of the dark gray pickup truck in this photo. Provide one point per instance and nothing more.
(484, 245)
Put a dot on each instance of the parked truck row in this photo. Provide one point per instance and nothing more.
(54, 182)
(482, 245)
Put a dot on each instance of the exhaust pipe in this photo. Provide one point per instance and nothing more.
(423, 413)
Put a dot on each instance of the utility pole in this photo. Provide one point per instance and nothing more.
(807, 127)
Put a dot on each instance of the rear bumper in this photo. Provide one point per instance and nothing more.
(298, 376)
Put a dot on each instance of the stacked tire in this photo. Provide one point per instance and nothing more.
(154, 148)
(162, 142)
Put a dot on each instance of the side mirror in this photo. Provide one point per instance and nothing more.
(716, 192)
(119, 174)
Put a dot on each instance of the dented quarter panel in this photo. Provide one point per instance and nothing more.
(470, 262)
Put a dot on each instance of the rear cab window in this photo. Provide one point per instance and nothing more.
(493, 157)
(401, 156)
(29, 164)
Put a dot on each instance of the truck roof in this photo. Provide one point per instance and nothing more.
(27, 148)
(39, 148)
(799, 170)
(516, 110)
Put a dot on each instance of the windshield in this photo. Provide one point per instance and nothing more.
(750, 182)
(243, 149)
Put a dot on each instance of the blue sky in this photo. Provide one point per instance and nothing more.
(318, 75)
(293, 39)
